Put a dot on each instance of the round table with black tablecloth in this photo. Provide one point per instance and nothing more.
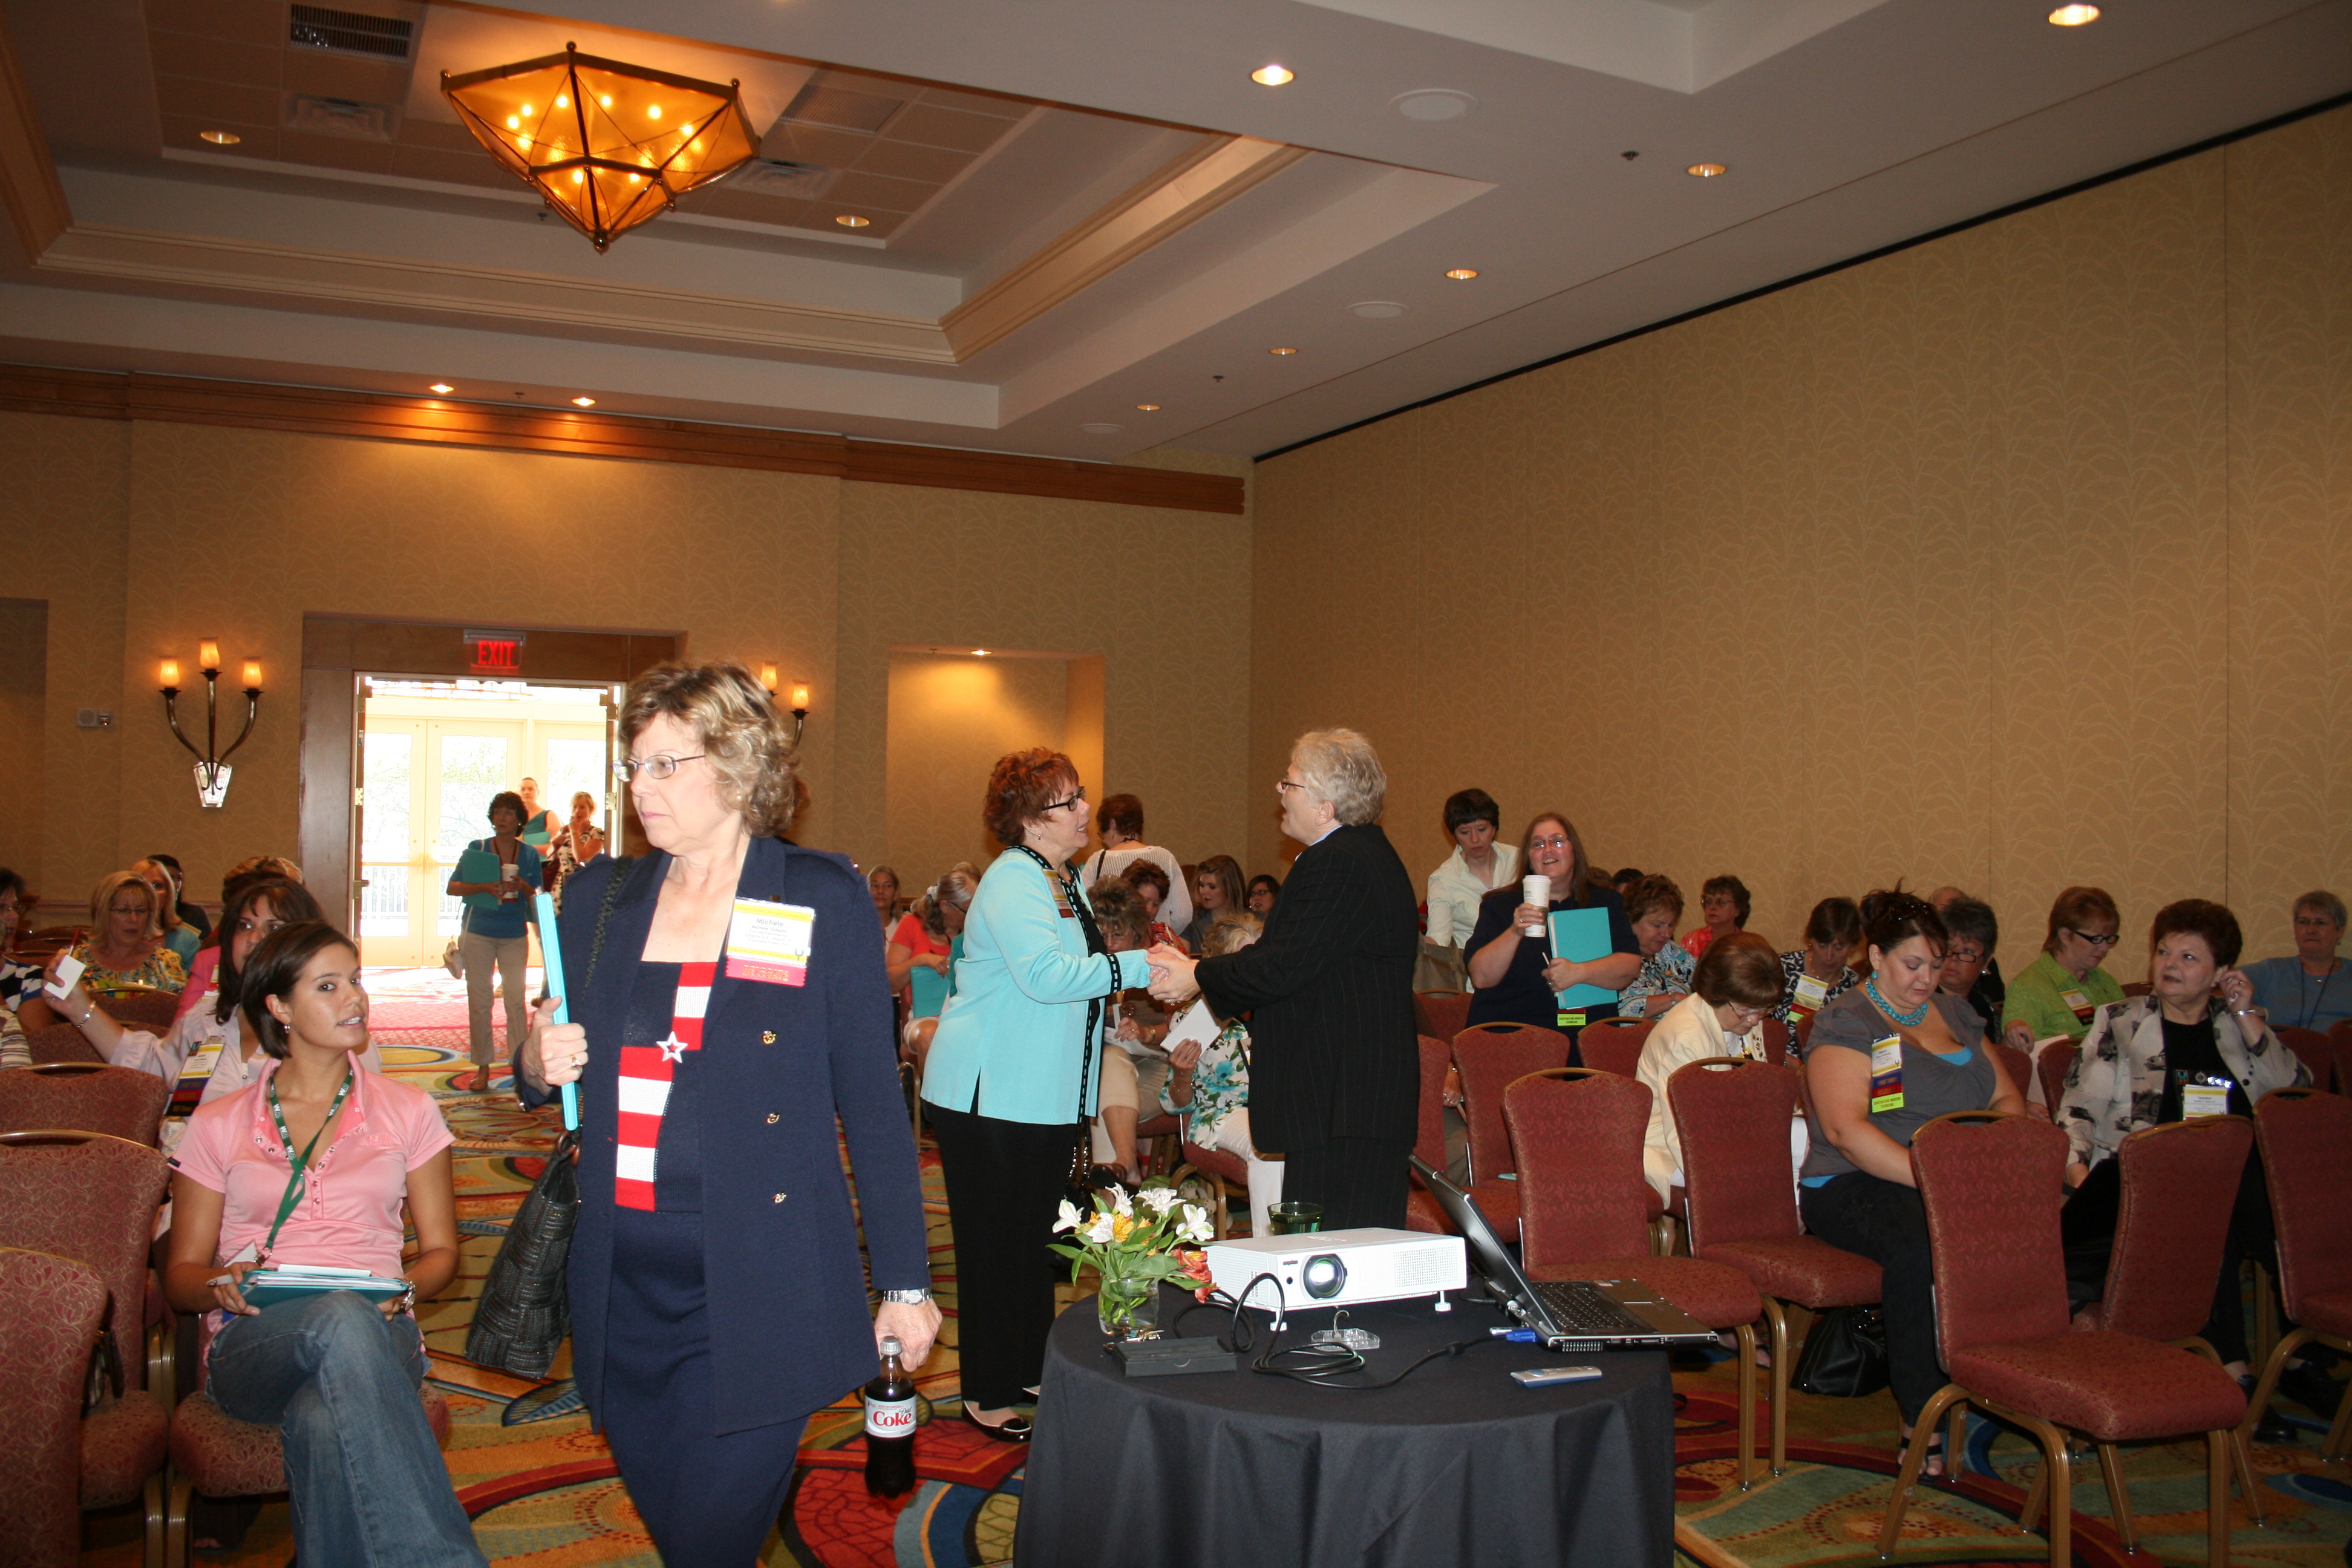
(1456, 1464)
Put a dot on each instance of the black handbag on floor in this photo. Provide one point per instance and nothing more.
(1845, 1355)
(525, 1309)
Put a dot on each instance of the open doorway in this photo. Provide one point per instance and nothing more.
(432, 754)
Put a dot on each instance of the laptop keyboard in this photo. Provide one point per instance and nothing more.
(1578, 1307)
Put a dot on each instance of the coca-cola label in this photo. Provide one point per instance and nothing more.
(889, 1418)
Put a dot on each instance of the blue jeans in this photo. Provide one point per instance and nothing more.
(339, 1380)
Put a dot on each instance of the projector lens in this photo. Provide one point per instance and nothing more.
(1324, 1276)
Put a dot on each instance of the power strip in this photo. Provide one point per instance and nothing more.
(1173, 1358)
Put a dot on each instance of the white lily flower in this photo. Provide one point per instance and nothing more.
(1161, 1199)
(1098, 1231)
(1124, 1205)
(1068, 1218)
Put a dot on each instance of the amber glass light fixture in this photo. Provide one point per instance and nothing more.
(607, 144)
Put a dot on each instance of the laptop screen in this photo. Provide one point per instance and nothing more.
(1494, 1262)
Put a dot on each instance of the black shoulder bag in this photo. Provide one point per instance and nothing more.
(525, 1308)
(1845, 1355)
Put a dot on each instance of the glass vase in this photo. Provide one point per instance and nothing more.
(1127, 1309)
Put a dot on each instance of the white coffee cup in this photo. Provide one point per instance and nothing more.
(1535, 889)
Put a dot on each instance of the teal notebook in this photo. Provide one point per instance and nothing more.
(268, 1287)
(929, 992)
(536, 838)
(478, 866)
(1582, 936)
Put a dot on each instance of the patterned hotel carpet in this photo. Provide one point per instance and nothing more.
(542, 1490)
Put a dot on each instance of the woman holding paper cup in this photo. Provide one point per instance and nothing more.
(728, 1011)
(1514, 968)
(496, 876)
(312, 1166)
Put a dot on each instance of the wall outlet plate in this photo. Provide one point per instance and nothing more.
(94, 718)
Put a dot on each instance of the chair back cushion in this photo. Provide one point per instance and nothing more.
(2180, 1183)
(93, 1202)
(1447, 1012)
(2316, 1051)
(2015, 1065)
(2053, 1064)
(1991, 1185)
(1429, 1132)
(150, 1010)
(1732, 1115)
(1614, 1047)
(49, 1311)
(2339, 1039)
(1491, 1056)
(1582, 1196)
(1776, 1041)
(60, 1043)
(118, 1101)
(2306, 1141)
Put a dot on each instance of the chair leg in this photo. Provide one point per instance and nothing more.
(2267, 1383)
(2238, 1455)
(152, 1552)
(1915, 1455)
(2061, 1495)
(2266, 1323)
(2217, 1498)
(175, 1521)
(1956, 1433)
(2118, 1498)
(1777, 1316)
(1745, 1334)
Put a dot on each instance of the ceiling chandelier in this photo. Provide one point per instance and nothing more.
(607, 146)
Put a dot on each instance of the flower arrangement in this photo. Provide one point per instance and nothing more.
(1132, 1243)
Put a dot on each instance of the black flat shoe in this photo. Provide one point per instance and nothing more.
(1012, 1429)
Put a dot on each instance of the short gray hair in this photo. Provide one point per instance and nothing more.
(1341, 766)
(2325, 902)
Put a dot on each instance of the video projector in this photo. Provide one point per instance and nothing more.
(1340, 1268)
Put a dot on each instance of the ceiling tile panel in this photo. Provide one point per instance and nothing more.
(216, 60)
(899, 160)
(813, 144)
(343, 76)
(246, 21)
(216, 100)
(335, 152)
(932, 127)
(860, 190)
(976, 103)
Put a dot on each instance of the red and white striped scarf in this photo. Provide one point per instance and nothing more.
(646, 1076)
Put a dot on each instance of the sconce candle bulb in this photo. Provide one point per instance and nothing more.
(208, 656)
(768, 677)
(170, 674)
(253, 674)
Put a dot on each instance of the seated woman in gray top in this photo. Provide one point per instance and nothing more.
(1888, 1057)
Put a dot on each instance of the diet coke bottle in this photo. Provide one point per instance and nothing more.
(891, 1427)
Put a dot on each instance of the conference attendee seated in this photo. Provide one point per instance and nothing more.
(1813, 976)
(1262, 890)
(1477, 867)
(314, 1164)
(1127, 1035)
(2056, 994)
(1723, 903)
(1989, 987)
(18, 980)
(2307, 990)
(1625, 880)
(180, 936)
(1975, 932)
(1119, 821)
(2180, 1051)
(1210, 1083)
(1735, 989)
(938, 916)
(1653, 907)
(1894, 1035)
(1517, 975)
(125, 950)
(882, 885)
(919, 941)
(1151, 885)
(191, 915)
(1220, 891)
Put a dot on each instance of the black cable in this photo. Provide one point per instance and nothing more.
(1327, 1360)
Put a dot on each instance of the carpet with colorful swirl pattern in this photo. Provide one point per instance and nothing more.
(541, 1488)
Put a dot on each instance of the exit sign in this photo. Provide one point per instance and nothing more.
(497, 653)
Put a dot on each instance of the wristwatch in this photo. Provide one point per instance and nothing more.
(908, 1298)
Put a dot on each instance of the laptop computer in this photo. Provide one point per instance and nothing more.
(1576, 1315)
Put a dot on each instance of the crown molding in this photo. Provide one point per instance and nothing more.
(28, 177)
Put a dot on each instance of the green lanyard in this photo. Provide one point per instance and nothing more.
(294, 1182)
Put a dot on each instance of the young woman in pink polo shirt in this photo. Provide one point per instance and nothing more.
(336, 1373)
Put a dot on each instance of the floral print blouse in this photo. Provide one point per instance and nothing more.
(1667, 973)
(160, 972)
(1219, 1084)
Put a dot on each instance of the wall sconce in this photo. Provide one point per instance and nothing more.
(799, 709)
(212, 769)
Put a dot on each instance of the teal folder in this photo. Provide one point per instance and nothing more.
(929, 992)
(265, 1288)
(1582, 936)
(478, 866)
(536, 838)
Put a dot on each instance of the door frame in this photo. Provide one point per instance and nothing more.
(339, 650)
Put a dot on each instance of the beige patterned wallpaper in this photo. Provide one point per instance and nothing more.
(2013, 560)
(950, 718)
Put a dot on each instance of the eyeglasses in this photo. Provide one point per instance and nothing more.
(655, 767)
(2107, 940)
(1554, 842)
(1080, 799)
(1287, 785)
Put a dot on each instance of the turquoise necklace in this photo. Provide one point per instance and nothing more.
(1908, 1020)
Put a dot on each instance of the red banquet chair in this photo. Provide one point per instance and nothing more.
(2018, 1066)
(2051, 1066)
(2316, 1052)
(1447, 1014)
(93, 1198)
(1990, 1184)
(1614, 1045)
(2180, 1183)
(153, 1011)
(1422, 1210)
(2307, 1144)
(2339, 1040)
(1732, 1114)
(1585, 1213)
(60, 1043)
(86, 1097)
(1492, 1057)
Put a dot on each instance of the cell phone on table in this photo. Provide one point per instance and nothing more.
(1545, 1376)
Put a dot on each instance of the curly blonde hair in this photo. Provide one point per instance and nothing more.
(735, 722)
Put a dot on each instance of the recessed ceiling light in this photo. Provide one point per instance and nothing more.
(1376, 309)
(2073, 15)
(1433, 104)
(585, 401)
(1147, 408)
(1704, 171)
(1282, 351)
(1272, 75)
(443, 387)
(1461, 274)
(220, 138)
(851, 220)
(1099, 427)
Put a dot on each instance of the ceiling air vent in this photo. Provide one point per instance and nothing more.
(840, 108)
(782, 177)
(349, 32)
(344, 117)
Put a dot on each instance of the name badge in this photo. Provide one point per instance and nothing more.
(2203, 1099)
(194, 1073)
(1886, 1074)
(2079, 1003)
(1570, 1020)
(770, 941)
(1811, 992)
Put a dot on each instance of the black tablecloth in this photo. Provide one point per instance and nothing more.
(1457, 1464)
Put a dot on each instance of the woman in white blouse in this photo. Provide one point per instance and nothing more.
(1734, 990)
(1476, 868)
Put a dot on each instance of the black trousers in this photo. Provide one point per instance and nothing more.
(1005, 1181)
(1885, 1222)
(2088, 1222)
(1359, 1180)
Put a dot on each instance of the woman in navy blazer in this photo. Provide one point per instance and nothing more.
(737, 1006)
(1012, 1077)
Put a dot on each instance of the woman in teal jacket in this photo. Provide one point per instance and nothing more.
(1011, 1075)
